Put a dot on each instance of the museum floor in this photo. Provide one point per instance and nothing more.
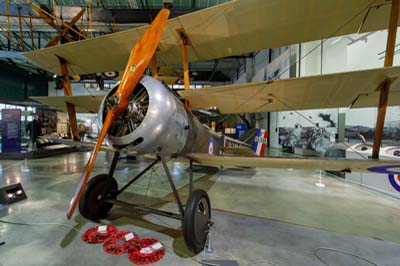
(262, 216)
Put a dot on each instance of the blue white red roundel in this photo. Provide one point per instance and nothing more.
(393, 174)
(110, 74)
(395, 181)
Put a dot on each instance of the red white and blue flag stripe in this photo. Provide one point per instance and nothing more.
(260, 141)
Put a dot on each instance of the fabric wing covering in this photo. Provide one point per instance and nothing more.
(83, 104)
(228, 29)
(348, 165)
(350, 89)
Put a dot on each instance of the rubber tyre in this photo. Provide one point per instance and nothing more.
(91, 204)
(195, 221)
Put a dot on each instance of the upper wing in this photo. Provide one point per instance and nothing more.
(355, 89)
(233, 28)
(83, 104)
(347, 165)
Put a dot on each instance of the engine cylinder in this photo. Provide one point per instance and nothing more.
(154, 119)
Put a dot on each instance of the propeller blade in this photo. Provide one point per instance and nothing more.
(140, 57)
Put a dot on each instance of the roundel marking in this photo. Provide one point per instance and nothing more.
(393, 174)
(386, 169)
(110, 74)
(211, 146)
(395, 181)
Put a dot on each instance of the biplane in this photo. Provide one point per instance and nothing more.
(143, 114)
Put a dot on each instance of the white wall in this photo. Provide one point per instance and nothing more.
(339, 54)
(334, 55)
(346, 53)
(260, 64)
(310, 62)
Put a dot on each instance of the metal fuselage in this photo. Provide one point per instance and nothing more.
(157, 121)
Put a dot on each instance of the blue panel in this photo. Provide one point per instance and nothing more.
(11, 130)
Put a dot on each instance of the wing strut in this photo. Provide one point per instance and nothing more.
(383, 100)
(185, 42)
(68, 92)
(153, 66)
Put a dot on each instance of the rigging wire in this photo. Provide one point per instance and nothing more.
(330, 36)
(309, 120)
(340, 251)
(367, 7)
(261, 262)
(38, 224)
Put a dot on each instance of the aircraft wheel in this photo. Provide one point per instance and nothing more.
(92, 204)
(196, 220)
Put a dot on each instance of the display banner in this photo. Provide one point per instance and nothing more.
(240, 129)
(11, 130)
(260, 142)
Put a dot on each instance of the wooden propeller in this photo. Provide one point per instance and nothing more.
(140, 57)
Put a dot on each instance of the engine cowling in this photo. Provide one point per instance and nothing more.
(154, 120)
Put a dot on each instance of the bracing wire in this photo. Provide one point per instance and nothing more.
(367, 7)
(38, 224)
(261, 262)
(340, 251)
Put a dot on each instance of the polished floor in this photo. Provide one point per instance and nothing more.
(262, 216)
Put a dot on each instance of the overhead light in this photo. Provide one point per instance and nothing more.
(55, 76)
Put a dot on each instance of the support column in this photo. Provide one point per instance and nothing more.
(384, 95)
(90, 21)
(31, 34)
(21, 34)
(68, 92)
(8, 22)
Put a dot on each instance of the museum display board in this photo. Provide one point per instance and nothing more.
(11, 130)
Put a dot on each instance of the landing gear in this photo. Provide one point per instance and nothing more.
(197, 220)
(93, 204)
(102, 191)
